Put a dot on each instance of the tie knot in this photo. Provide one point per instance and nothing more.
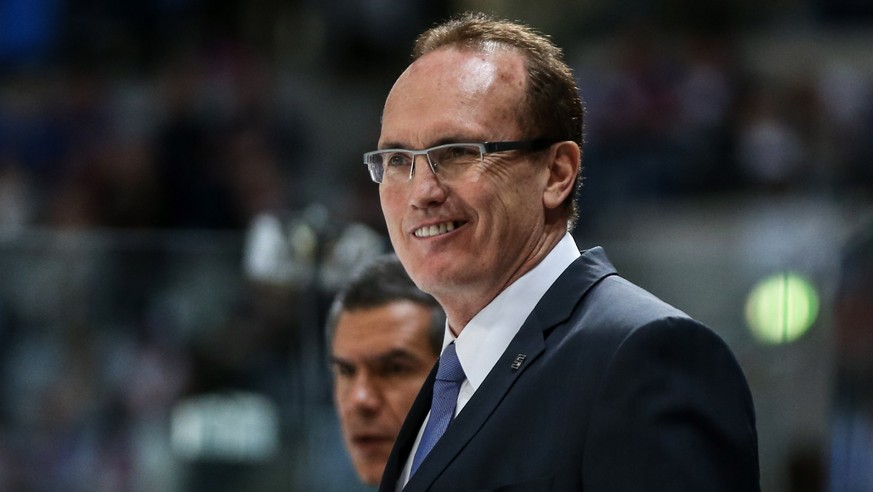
(450, 367)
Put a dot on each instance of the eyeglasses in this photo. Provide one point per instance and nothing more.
(446, 161)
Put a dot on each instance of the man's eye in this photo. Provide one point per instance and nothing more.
(344, 370)
(397, 160)
(464, 152)
(396, 369)
(458, 154)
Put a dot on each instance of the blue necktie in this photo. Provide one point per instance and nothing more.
(449, 377)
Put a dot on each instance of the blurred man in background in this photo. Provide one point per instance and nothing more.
(384, 337)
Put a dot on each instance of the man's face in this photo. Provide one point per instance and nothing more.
(380, 358)
(496, 207)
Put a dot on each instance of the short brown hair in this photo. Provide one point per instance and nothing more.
(554, 109)
(381, 282)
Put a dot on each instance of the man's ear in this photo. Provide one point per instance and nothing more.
(563, 168)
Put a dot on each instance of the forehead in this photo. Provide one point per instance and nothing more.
(367, 332)
(451, 90)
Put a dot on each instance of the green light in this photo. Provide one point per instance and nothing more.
(781, 308)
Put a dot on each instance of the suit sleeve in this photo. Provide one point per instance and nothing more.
(674, 413)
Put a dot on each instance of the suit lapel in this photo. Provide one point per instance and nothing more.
(408, 433)
(528, 345)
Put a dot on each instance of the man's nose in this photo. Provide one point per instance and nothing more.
(427, 189)
(426, 163)
(365, 392)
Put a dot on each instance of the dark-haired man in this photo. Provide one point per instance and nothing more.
(384, 336)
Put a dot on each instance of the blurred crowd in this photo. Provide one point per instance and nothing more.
(180, 114)
(135, 123)
(678, 115)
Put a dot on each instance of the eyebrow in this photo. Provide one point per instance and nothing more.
(391, 355)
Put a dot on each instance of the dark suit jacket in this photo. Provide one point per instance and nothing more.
(617, 391)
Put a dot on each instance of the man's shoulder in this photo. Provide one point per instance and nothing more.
(617, 297)
(616, 307)
(599, 300)
(617, 313)
(606, 294)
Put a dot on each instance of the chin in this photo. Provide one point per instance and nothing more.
(427, 276)
(371, 477)
(432, 271)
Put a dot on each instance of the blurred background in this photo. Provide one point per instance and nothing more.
(181, 193)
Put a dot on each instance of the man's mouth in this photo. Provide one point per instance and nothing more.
(436, 229)
(370, 443)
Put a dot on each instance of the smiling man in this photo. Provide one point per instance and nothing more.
(384, 336)
(556, 373)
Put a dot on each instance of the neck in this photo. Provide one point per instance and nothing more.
(462, 304)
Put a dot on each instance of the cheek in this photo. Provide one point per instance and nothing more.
(522, 194)
(348, 390)
(389, 201)
(340, 397)
(403, 395)
(499, 187)
(494, 202)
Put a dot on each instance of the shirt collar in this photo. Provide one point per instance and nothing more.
(484, 339)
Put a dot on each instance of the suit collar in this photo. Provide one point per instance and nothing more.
(528, 345)
(560, 300)
(486, 336)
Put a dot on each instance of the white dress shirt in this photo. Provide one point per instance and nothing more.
(484, 339)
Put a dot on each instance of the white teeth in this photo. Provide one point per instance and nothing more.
(435, 230)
